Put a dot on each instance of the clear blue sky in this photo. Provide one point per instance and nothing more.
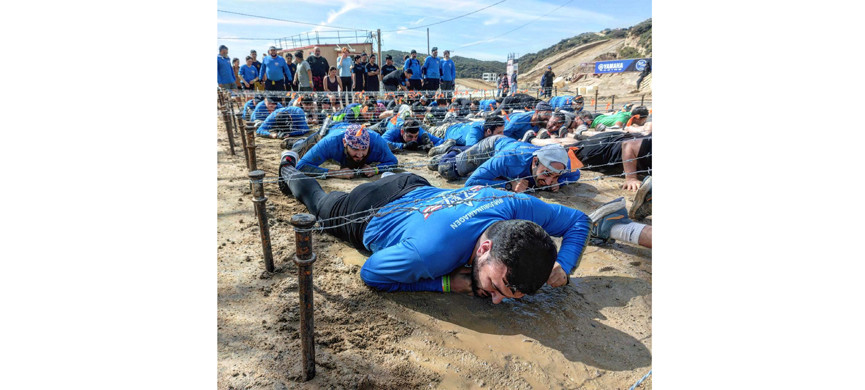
(476, 35)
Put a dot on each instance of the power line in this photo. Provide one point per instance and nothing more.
(446, 20)
(519, 27)
(249, 39)
(288, 21)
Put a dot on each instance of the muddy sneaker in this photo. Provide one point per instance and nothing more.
(434, 163)
(442, 149)
(603, 219)
(527, 137)
(642, 206)
(302, 146)
(543, 134)
(288, 157)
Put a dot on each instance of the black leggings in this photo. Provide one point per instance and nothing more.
(358, 206)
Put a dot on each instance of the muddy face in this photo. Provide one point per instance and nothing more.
(408, 137)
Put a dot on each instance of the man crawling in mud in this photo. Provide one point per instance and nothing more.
(470, 240)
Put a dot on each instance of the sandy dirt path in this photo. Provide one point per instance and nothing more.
(595, 333)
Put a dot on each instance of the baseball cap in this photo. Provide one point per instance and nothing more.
(549, 67)
(550, 154)
(435, 48)
(271, 48)
(222, 47)
(543, 106)
(413, 51)
(253, 52)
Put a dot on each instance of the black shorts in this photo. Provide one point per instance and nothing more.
(359, 204)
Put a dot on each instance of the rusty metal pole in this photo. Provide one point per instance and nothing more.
(250, 146)
(259, 200)
(643, 96)
(304, 258)
(239, 123)
(596, 100)
(613, 103)
(229, 128)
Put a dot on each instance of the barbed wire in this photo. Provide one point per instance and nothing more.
(487, 156)
(402, 206)
(383, 93)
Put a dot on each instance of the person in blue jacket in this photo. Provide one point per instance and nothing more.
(274, 72)
(449, 74)
(522, 122)
(265, 108)
(462, 161)
(409, 135)
(250, 106)
(470, 240)
(465, 134)
(284, 122)
(225, 77)
(414, 83)
(355, 149)
(248, 74)
(487, 105)
(432, 71)
(518, 166)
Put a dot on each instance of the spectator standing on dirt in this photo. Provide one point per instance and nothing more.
(259, 86)
(413, 64)
(449, 74)
(248, 74)
(235, 67)
(291, 85)
(344, 65)
(225, 75)
(319, 67)
(372, 74)
(432, 71)
(514, 82)
(274, 72)
(388, 66)
(644, 73)
(500, 249)
(547, 81)
(358, 74)
(332, 83)
(504, 85)
(303, 80)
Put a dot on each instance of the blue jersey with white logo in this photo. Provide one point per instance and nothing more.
(275, 68)
(561, 101)
(412, 250)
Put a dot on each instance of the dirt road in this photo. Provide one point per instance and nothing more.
(595, 333)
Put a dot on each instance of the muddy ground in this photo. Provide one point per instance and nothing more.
(595, 333)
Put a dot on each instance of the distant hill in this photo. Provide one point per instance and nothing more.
(640, 34)
(466, 67)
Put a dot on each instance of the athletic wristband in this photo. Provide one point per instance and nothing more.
(446, 283)
(375, 168)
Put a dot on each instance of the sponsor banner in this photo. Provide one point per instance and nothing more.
(633, 65)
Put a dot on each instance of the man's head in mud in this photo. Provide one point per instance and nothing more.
(494, 125)
(639, 116)
(512, 258)
(410, 130)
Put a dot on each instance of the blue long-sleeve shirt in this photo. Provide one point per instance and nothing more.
(519, 124)
(393, 135)
(512, 161)
(248, 72)
(561, 101)
(224, 72)
(486, 105)
(466, 134)
(406, 257)
(449, 70)
(432, 68)
(248, 108)
(275, 68)
(260, 112)
(414, 65)
(332, 148)
(290, 119)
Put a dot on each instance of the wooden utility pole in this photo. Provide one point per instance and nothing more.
(378, 57)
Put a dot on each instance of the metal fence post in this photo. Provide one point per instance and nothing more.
(304, 258)
(259, 200)
(596, 100)
(613, 103)
(643, 96)
(240, 125)
(250, 145)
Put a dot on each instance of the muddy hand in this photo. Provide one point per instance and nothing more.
(558, 277)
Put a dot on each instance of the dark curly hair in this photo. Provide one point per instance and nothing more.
(526, 249)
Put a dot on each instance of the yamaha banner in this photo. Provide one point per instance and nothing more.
(633, 65)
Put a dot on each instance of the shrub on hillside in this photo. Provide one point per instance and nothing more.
(629, 52)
